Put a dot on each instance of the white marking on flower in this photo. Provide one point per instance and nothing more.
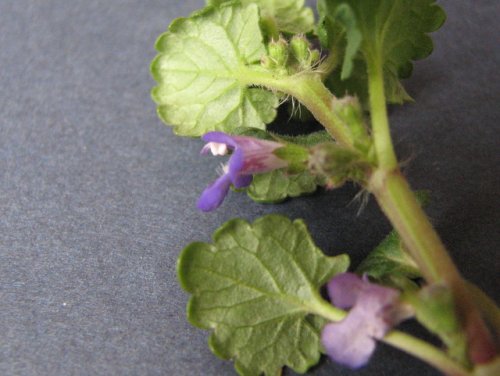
(217, 148)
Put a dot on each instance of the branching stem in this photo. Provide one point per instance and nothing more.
(392, 192)
(308, 88)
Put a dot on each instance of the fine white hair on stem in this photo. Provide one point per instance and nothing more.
(362, 197)
(296, 108)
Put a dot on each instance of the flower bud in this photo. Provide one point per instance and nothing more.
(278, 52)
(329, 158)
(315, 56)
(300, 48)
(303, 54)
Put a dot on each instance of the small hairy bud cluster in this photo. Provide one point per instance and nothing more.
(303, 53)
(291, 57)
(336, 164)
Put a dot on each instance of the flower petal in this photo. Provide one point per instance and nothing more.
(250, 155)
(221, 138)
(214, 194)
(252, 143)
(242, 181)
(344, 289)
(347, 345)
(235, 165)
(375, 310)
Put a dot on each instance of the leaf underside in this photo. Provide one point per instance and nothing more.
(276, 186)
(198, 69)
(289, 16)
(254, 288)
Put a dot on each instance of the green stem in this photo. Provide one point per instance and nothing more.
(401, 207)
(391, 190)
(403, 210)
(426, 352)
(399, 204)
(313, 94)
(310, 91)
(402, 341)
(380, 123)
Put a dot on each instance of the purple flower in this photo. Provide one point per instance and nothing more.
(249, 156)
(375, 310)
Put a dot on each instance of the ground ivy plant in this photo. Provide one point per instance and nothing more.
(257, 287)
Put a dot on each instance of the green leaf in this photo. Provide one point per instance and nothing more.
(356, 84)
(201, 68)
(389, 264)
(288, 16)
(394, 34)
(255, 288)
(336, 27)
(276, 186)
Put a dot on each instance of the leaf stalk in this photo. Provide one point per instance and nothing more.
(380, 122)
(308, 88)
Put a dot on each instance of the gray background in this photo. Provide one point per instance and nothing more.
(97, 197)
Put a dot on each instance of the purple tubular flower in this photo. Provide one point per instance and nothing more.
(249, 156)
(375, 310)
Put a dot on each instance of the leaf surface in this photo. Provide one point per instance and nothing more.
(394, 34)
(255, 287)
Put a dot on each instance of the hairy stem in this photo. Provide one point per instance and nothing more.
(391, 190)
(422, 242)
(311, 92)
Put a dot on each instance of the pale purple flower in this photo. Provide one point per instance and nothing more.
(375, 310)
(249, 156)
